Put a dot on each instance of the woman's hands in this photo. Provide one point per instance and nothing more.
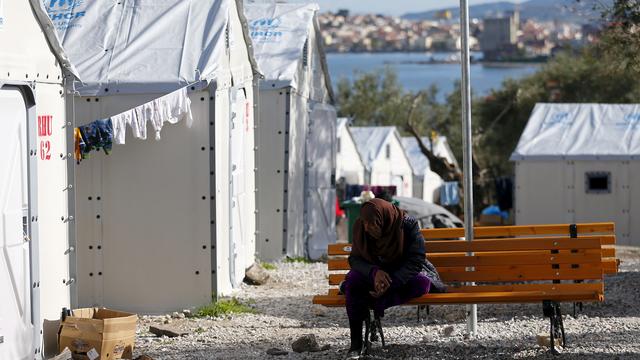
(381, 283)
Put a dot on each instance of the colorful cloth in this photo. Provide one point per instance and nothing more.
(79, 144)
(96, 135)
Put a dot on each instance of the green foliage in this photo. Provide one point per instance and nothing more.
(222, 307)
(268, 266)
(297, 259)
(606, 72)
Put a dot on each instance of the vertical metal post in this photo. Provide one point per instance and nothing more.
(472, 317)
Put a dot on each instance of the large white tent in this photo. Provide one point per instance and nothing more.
(36, 266)
(296, 132)
(386, 162)
(349, 164)
(580, 163)
(162, 225)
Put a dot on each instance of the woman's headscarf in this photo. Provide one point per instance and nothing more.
(377, 233)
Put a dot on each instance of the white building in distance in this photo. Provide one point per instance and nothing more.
(385, 160)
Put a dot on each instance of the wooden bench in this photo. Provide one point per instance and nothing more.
(549, 264)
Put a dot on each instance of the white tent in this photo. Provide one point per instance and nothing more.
(426, 183)
(349, 164)
(580, 163)
(386, 162)
(296, 133)
(162, 225)
(36, 279)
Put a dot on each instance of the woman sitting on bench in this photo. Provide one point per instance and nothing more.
(388, 265)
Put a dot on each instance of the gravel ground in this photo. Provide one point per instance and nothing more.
(608, 330)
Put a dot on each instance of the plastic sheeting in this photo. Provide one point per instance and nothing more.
(279, 33)
(581, 132)
(145, 46)
(288, 47)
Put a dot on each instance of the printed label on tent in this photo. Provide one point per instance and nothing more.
(630, 120)
(266, 30)
(247, 110)
(93, 354)
(65, 13)
(558, 119)
(45, 130)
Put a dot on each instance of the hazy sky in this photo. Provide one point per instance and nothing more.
(392, 7)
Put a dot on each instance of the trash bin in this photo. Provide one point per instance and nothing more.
(352, 208)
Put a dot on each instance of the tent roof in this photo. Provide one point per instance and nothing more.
(581, 132)
(52, 37)
(343, 121)
(148, 46)
(419, 161)
(279, 32)
(370, 141)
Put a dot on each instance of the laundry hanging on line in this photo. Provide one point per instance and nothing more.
(172, 108)
(93, 137)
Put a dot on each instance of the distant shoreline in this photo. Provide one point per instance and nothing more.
(440, 61)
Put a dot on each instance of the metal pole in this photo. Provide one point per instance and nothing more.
(472, 316)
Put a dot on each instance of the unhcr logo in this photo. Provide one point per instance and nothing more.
(558, 119)
(266, 23)
(266, 30)
(64, 9)
(630, 120)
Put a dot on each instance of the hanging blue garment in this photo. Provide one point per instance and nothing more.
(449, 195)
(96, 135)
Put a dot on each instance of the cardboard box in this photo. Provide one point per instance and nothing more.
(101, 334)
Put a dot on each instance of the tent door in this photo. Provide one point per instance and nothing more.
(16, 324)
(237, 239)
(320, 189)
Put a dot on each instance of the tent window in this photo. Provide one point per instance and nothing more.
(388, 151)
(598, 182)
(338, 144)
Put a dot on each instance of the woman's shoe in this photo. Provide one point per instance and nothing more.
(353, 355)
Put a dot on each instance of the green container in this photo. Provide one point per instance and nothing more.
(352, 209)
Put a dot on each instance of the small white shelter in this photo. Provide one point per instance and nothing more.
(580, 163)
(36, 251)
(162, 225)
(296, 132)
(386, 162)
(349, 164)
(426, 183)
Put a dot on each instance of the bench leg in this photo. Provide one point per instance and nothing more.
(579, 305)
(552, 310)
(378, 324)
(367, 330)
(422, 307)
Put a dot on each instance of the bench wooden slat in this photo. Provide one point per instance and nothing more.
(514, 244)
(434, 246)
(519, 230)
(550, 288)
(488, 260)
(482, 298)
(517, 244)
(511, 273)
